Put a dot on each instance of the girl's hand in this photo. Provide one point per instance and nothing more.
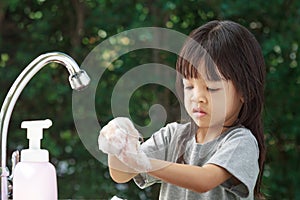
(120, 138)
(112, 139)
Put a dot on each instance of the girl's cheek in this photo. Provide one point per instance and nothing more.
(188, 94)
(187, 102)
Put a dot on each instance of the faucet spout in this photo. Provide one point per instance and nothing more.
(78, 80)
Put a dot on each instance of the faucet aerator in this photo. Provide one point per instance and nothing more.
(80, 80)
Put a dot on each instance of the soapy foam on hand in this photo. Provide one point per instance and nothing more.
(120, 138)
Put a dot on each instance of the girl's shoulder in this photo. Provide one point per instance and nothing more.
(239, 134)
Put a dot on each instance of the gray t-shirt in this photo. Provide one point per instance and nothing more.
(235, 150)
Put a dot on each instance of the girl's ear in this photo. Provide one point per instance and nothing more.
(242, 99)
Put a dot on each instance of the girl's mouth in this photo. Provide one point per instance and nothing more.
(198, 112)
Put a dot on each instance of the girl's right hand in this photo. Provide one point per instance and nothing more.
(120, 138)
(112, 139)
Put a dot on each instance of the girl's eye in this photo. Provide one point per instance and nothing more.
(188, 87)
(213, 89)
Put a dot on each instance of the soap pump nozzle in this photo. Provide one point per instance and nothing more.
(35, 133)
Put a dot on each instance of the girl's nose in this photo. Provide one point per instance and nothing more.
(199, 96)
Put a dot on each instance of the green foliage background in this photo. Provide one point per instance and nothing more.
(29, 28)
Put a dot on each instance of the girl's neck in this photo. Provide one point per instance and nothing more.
(204, 135)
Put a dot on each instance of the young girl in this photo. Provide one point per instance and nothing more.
(220, 153)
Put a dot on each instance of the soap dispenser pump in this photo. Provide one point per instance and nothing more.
(34, 176)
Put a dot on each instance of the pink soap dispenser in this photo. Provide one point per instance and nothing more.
(34, 176)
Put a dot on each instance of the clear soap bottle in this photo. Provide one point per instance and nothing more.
(34, 176)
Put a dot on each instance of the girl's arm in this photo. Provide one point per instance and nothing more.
(195, 178)
(119, 172)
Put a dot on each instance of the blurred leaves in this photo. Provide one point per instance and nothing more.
(30, 28)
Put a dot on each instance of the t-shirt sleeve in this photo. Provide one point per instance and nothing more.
(239, 154)
(155, 147)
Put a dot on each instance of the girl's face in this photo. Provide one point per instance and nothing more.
(211, 103)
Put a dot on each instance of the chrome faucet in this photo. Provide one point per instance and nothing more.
(78, 80)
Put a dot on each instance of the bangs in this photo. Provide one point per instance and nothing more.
(195, 62)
